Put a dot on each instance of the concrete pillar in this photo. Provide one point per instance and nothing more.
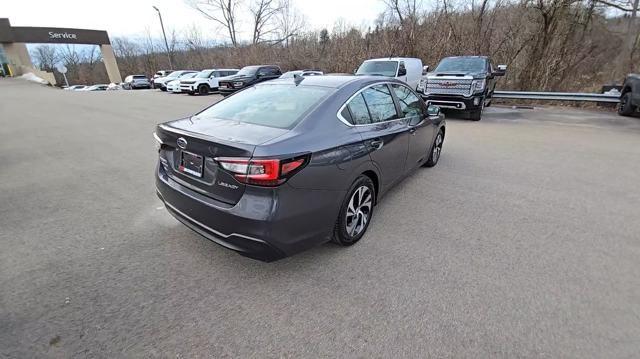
(17, 55)
(109, 59)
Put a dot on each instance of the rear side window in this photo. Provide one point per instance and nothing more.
(410, 104)
(380, 103)
(280, 106)
(359, 112)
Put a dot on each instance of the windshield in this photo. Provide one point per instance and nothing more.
(381, 68)
(462, 64)
(280, 106)
(188, 75)
(248, 71)
(203, 74)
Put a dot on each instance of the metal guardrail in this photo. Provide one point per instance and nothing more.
(610, 97)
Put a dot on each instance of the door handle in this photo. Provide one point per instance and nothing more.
(377, 143)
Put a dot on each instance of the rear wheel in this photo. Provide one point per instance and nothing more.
(203, 89)
(355, 213)
(625, 108)
(436, 150)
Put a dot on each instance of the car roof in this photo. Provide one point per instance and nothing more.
(332, 81)
(467, 57)
(392, 59)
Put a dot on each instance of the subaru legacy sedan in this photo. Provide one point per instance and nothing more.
(288, 164)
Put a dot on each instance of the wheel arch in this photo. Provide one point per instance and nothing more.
(376, 183)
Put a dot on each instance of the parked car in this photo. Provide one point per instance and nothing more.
(404, 69)
(630, 96)
(160, 82)
(133, 82)
(246, 77)
(288, 164)
(291, 74)
(158, 74)
(100, 87)
(464, 83)
(205, 81)
(74, 87)
(174, 85)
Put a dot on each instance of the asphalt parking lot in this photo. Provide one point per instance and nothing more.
(523, 242)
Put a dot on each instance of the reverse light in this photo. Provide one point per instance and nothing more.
(478, 85)
(262, 172)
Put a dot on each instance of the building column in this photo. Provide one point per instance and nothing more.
(109, 59)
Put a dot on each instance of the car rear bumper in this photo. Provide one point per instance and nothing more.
(455, 102)
(266, 224)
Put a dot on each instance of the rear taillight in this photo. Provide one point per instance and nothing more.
(262, 172)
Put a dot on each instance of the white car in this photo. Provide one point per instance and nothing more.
(406, 69)
(205, 81)
(291, 74)
(161, 82)
(174, 85)
(75, 87)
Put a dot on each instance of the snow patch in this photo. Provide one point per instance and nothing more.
(33, 78)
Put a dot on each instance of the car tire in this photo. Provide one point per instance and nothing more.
(356, 212)
(203, 90)
(475, 115)
(625, 108)
(435, 150)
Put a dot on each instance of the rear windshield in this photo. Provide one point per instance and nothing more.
(380, 68)
(280, 106)
(462, 64)
(139, 77)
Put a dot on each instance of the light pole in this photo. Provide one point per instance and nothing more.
(165, 37)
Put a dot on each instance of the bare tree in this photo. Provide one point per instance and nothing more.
(222, 12)
(290, 23)
(46, 57)
(263, 13)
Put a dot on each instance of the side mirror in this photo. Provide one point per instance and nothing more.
(402, 71)
(500, 70)
(355, 71)
(433, 111)
(425, 69)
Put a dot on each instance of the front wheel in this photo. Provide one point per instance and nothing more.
(436, 150)
(625, 108)
(203, 89)
(355, 213)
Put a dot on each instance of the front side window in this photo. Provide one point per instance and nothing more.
(380, 103)
(280, 106)
(410, 104)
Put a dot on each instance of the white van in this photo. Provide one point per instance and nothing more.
(405, 69)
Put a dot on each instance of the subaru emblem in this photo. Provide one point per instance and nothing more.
(182, 143)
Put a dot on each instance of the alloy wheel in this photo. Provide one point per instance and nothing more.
(437, 148)
(359, 211)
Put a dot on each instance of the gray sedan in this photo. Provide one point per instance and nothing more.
(288, 164)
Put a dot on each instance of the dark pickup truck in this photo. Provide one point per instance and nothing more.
(463, 83)
(630, 98)
(246, 77)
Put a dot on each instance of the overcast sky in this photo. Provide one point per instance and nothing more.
(136, 17)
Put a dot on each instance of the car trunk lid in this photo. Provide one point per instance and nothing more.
(191, 146)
